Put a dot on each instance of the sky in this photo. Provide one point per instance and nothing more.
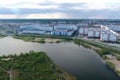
(59, 9)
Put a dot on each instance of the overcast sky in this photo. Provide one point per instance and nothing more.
(77, 9)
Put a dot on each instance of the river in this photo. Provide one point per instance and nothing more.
(84, 63)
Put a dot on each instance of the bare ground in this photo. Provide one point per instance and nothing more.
(113, 59)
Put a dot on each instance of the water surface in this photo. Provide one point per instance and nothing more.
(84, 63)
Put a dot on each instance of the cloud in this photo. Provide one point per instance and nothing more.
(34, 16)
(47, 15)
(60, 9)
(5, 11)
(85, 1)
(8, 16)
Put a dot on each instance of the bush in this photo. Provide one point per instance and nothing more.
(30, 66)
(42, 40)
(111, 65)
(105, 51)
(118, 58)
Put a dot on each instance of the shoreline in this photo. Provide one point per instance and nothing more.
(42, 39)
(107, 53)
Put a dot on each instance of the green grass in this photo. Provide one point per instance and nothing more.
(66, 38)
(118, 57)
(111, 65)
(118, 42)
(104, 49)
(1, 35)
(42, 40)
(118, 72)
(30, 39)
(30, 66)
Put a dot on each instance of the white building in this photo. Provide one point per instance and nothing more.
(108, 37)
(114, 27)
(63, 32)
(103, 33)
(94, 32)
(112, 37)
(104, 37)
(91, 33)
(65, 27)
(83, 31)
(83, 24)
(33, 32)
(97, 34)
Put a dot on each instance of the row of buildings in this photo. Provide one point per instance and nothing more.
(115, 28)
(61, 29)
(103, 33)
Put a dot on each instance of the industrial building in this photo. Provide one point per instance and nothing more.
(36, 29)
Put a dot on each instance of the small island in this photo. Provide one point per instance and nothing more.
(31, 66)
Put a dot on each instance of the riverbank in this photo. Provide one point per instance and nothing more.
(42, 39)
(110, 54)
(115, 64)
(67, 55)
(102, 49)
(31, 66)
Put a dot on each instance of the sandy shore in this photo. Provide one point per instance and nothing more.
(113, 60)
(50, 40)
